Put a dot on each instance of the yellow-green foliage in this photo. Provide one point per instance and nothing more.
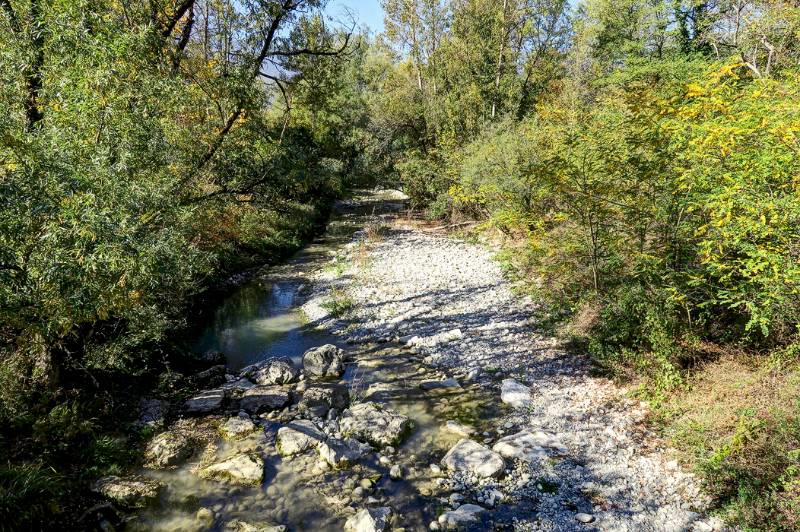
(737, 168)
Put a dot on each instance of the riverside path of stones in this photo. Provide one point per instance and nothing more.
(561, 450)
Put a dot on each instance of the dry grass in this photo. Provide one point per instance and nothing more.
(738, 423)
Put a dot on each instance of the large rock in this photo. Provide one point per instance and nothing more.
(462, 516)
(342, 453)
(298, 436)
(168, 449)
(472, 457)
(527, 446)
(369, 520)
(317, 400)
(213, 376)
(246, 469)
(263, 398)
(237, 427)
(130, 492)
(279, 370)
(324, 362)
(206, 402)
(152, 413)
(514, 393)
(371, 423)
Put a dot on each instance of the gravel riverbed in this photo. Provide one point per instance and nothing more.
(586, 460)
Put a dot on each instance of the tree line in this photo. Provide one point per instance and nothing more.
(639, 157)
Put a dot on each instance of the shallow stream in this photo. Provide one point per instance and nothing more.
(261, 319)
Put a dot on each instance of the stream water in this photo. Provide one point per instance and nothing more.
(262, 319)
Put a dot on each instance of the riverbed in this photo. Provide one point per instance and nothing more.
(263, 319)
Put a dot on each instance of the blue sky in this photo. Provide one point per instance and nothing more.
(367, 12)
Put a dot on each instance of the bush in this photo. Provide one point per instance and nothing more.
(636, 331)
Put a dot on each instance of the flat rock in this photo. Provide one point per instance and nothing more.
(237, 387)
(263, 398)
(168, 449)
(237, 427)
(206, 402)
(245, 469)
(242, 526)
(369, 520)
(279, 370)
(324, 362)
(298, 436)
(342, 453)
(130, 492)
(461, 516)
(444, 384)
(374, 424)
(528, 445)
(515, 393)
(319, 399)
(470, 456)
(460, 429)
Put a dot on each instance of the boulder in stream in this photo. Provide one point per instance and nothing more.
(318, 400)
(341, 454)
(245, 469)
(374, 424)
(280, 370)
(462, 516)
(263, 398)
(298, 436)
(130, 492)
(472, 457)
(369, 520)
(237, 427)
(324, 362)
(168, 449)
(213, 376)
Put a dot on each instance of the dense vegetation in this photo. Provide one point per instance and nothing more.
(147, 150)
(640, 158)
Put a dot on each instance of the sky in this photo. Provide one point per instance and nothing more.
(367, 12)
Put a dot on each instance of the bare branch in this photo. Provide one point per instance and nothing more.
(309, 51)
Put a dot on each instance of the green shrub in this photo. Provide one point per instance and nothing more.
(29, 495)
(636, 330)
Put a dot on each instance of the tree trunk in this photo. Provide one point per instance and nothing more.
(500, 53)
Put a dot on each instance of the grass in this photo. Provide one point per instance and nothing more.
(337, 267)
(28, 494)
(737, 422)
(338, 303)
